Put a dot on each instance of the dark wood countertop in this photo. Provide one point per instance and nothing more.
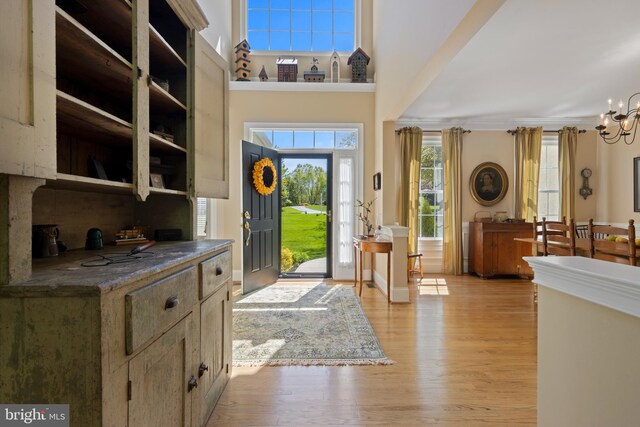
(64, 274)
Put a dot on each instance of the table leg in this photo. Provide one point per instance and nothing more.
(388, 276)
(360, 293)
(355, 266)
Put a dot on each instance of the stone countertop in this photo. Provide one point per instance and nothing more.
(65, 274)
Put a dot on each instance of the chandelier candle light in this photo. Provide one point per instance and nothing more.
(627, 122)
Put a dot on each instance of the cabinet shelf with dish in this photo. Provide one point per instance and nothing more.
(90, 139)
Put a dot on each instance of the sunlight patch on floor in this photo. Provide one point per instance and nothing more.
(433, 286)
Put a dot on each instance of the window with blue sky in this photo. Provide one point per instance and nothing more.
(301, 25)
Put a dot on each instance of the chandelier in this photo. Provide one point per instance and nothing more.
(627, 123)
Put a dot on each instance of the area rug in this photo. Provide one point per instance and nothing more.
(303, 324)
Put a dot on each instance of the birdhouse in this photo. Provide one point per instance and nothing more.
(314, 75)
(335, 67)
(243, 61)
(287, 69)
(359, 61)
(263, 75)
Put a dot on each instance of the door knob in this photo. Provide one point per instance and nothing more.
(202, 369)
(193, 383)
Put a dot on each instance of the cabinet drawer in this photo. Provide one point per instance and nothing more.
(151, 309)
(214, 272)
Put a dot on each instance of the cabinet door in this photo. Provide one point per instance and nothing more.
(210, 136)
(159, 378)
(28, 88)
(506, 256)
(215, 347)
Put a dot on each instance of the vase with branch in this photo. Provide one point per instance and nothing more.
(363, 216)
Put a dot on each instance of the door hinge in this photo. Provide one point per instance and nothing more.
(129, 390)
(227, 295)
(227, 368)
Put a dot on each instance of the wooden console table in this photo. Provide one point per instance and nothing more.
(373, 246)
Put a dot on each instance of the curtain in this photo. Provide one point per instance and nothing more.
(452, 236)
(567, 146)
(411, 148)
(528, 148)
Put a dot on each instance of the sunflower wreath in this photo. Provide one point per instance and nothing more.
(264, 176)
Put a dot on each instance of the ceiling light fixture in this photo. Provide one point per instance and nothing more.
(627, 123)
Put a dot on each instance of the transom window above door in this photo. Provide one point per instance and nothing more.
(307, 139)
(302, 25)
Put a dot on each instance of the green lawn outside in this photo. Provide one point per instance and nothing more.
(304, 232)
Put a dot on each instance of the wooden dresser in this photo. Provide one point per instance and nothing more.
(144, 343)
(493, 252)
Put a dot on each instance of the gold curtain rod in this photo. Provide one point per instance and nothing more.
(513, 132)
(427, 131)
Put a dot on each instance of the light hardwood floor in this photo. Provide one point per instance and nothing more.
(465, 355)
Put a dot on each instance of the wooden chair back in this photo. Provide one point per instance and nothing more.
(559, 238)
(622, 251)
(537, 230)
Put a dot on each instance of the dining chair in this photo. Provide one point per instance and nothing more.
(559, 238)
(621, 250)
(537, 231)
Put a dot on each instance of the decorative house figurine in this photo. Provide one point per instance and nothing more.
(359, 61)
(314, 75)
(243, 61)
(287, 69)
(263, 75)
(335, 67)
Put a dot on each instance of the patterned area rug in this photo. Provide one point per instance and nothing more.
(303, 324)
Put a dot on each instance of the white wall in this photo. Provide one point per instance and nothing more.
(218, 33)
(287, 107)
(613, 182)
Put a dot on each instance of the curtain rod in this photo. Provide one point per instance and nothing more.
(513, 132)
(427, 131)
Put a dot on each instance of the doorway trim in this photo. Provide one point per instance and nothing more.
(340, 270)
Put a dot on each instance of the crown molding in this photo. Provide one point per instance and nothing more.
(500, 124)
(609, 284)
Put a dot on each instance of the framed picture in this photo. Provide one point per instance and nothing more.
(488, 183)
(377, 181)
(636, 184)
(156, 180)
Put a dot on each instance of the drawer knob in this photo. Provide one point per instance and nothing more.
(171, 302)
(201, 370)
(193, 383)
(218, 271)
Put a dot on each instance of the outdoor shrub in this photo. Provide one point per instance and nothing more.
(286, 260)
(300, 257)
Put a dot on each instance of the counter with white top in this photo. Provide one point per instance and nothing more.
(588, 341)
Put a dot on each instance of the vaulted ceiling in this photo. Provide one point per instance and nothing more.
(497, 63)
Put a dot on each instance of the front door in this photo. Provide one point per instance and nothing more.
(260, 216)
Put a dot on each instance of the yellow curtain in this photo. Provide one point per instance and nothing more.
(411, 148)
(452, 170)
(567, 146)
(528, 149)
